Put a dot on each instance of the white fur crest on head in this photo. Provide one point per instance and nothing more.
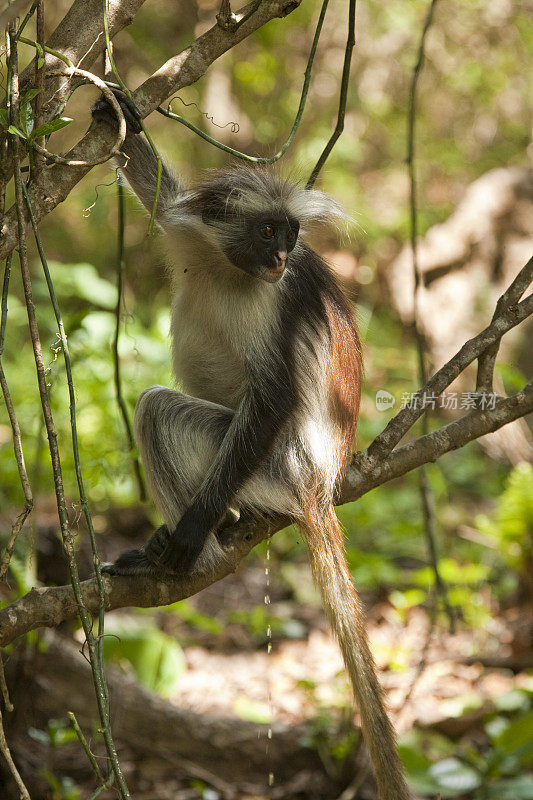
(262, 191)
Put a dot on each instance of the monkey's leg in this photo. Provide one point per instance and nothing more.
(179, 437)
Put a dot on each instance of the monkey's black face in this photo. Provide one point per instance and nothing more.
(261, 246)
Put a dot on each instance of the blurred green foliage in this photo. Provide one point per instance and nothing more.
(496, 769)
(156, 659)
(510, 526)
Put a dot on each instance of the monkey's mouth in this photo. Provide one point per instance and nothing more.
(272, 274)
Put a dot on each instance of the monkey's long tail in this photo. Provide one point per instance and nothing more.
(342, 604)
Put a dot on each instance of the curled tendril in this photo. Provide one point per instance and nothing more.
(87, 211)
(235, 127)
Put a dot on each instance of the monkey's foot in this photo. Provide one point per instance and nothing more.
(163, 554)
(145, 561)
(132, 562)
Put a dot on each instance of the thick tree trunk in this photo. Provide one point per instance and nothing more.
(234, 752)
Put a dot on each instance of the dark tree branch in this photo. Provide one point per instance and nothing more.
(509, 317)
(365, 473)
(486, 362)
(48, 606)
(54, 185)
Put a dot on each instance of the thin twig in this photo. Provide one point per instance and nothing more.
(95, 644)
(352, 790)
(13, 97)
(345, 81)
(116, 358)
(487, 360)
(89, 77)
(225, 18)
(15, 428)
(421, 664)
(66, 533)
(3, 687)
(39, 84)
(23, 475)
(426, 495)
(245, 17)
(110, 97)
(411, 123)
(303, 99)
(99, 789)
(159, 162)
(84, 743)
(4, 749)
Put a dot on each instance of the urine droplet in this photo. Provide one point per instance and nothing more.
(269, 651)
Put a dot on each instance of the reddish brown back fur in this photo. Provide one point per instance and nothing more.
(345, 378)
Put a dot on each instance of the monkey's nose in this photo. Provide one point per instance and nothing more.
(281, 257)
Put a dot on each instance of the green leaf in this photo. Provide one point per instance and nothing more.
(517, 740)
(30, 95)
(82, 280)
(454, 777)
(50, 127)
(188, 613)
(251, 710)
(413, 760)
(16, 132)
(26, 117)
(513, 700)
(417, 766)
(4, 117)
(520, 788)
(157, 659)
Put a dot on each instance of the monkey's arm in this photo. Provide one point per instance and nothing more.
(249, 440)
(137, 161)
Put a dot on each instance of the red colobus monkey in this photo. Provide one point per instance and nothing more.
(266, 348)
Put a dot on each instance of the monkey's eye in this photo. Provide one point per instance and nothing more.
(268, 231)
(291, 236)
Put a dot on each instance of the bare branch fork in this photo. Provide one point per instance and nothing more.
(53, 185)
(382, 461)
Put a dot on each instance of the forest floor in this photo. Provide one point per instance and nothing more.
(441, 687)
